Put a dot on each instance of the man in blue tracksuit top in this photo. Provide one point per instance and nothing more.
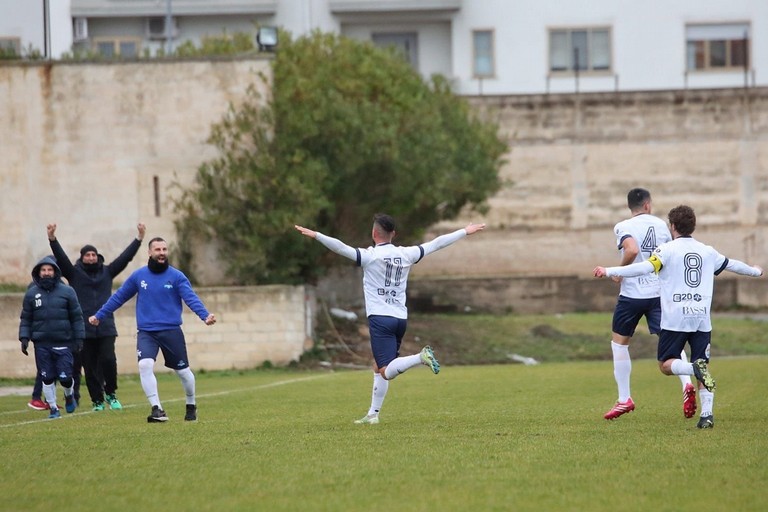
(160, 289)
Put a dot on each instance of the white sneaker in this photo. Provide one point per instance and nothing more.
(370, 419)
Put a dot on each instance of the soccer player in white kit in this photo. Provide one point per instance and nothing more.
(687, 270)
(637, 238)
(385, 278)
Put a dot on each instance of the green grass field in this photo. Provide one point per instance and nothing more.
(503, 437)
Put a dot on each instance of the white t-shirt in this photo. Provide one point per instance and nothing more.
(687, 270)
(687, 279)
(386, 268)
(649, 232)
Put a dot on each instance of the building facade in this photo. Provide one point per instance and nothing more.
(486, 47)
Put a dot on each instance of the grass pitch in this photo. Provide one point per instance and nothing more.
(508, 437)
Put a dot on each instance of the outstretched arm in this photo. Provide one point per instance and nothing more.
(636, 269)
(739, 267)
(449, 238)
(333, 244)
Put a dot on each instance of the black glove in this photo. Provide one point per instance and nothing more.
(78, 346)
(24, 346)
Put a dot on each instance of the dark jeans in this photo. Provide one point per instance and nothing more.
(100, 364)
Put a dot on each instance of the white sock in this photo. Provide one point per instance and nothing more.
(380, 387)
(622, 369)
(707, 401)
(49, 392)
(401, 365)
(681, 367)
(70, 390)
(684, 379)
(188, 381)
(149, 381)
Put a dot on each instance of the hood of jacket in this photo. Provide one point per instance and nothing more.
(48, 260)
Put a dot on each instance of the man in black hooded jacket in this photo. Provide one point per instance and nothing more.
(92, 281)
(51, 318)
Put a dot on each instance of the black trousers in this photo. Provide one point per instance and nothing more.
(100, 365)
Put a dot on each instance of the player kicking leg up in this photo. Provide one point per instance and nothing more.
(386, 337)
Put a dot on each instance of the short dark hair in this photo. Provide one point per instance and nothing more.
(636, 197)
(156, 239)
(385, 222)
(683, 219)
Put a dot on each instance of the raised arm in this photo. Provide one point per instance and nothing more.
(62, 260)
(119, 264)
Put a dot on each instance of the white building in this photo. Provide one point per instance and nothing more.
(494, 47)
(42, 26)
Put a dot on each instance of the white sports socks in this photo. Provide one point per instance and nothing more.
(401, 365)
(49, 391)
(380, 387)
(149, 381)
(681, 367)
(707, 401)
(684, 379)
(622, 369)
(188, 381)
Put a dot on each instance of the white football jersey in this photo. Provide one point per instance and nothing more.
(687, 278)
(386, 268)
(649, 232)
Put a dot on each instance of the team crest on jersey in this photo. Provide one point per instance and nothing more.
(168, 286)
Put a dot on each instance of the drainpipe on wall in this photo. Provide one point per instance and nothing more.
(168, 28)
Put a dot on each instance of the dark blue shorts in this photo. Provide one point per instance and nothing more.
(53, 363)
(671, 343)
(171, 342)
(386, 335)
(628, 313)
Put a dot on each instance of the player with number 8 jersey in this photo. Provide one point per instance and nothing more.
(686, 270)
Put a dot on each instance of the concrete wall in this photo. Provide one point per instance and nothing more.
(83, 145)
(255, 324)
(573, 158)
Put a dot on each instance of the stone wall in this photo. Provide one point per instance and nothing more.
(254, 325)
(573, 158)
(97, 147)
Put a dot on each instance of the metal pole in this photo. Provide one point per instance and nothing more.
(168, 28)
(746, 61)
(46, 30)
(576, 67)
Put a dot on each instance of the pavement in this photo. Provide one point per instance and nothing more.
(15, 391)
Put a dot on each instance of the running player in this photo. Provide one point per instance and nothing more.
(636, 238)
(385, 278)
(686, 269)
